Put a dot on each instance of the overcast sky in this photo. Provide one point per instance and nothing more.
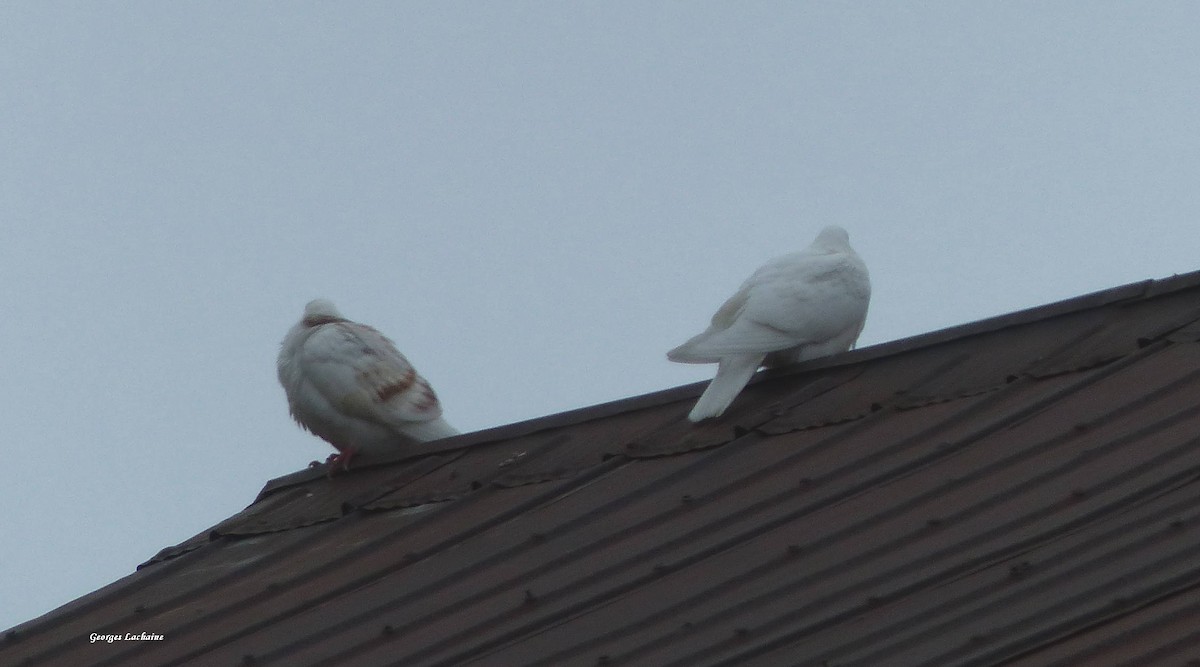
(535, 200)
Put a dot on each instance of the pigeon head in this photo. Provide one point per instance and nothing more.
(832, 238)
(321, 311)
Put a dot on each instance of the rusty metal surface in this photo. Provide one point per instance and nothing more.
(1023, 491)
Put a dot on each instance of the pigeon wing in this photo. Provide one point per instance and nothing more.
(361, 374)
(794, 300)
(808, 298)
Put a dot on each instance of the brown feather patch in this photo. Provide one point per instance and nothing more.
(387, 391)
(428, 398)
(318, 320)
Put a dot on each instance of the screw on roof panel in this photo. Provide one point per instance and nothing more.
(530, 598)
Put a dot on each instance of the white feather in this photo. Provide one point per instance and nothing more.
(801, 306)
(348, 384)
(733, 372)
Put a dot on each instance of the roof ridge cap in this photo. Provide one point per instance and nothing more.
(1134, 291)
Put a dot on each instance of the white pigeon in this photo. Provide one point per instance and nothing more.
(348, 384)
(800, 306)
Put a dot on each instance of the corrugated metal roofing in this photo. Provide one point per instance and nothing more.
(1019, 491)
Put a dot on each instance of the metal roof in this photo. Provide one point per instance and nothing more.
(1018, 491)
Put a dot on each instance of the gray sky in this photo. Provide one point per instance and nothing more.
(535, 200)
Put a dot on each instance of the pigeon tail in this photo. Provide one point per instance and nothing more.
(434, 429)
(732, 375)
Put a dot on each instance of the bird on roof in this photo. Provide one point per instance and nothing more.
(800, 306)
(349, 385)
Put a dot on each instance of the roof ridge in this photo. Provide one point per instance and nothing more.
(1136, 291)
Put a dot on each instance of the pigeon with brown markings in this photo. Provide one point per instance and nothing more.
(349, 385)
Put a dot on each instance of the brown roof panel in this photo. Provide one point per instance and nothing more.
(1021, 490)
(932, 515)
(1149, 634)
